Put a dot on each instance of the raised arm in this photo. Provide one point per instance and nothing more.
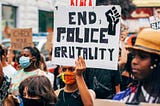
(87, 96)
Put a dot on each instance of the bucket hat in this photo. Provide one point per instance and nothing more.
(148, 40)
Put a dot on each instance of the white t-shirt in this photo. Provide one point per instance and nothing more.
(20, 76)
(9, 70)
(50, 76)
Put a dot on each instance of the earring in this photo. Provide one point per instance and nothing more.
(152, 67)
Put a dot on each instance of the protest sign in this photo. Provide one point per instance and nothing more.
(75, 2)
(155, 19)
(108, 102)
(21, 38)
(155, 22)
(91, 32)
(82, 2)
(49, 42)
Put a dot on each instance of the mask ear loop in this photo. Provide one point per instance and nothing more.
(62, 76)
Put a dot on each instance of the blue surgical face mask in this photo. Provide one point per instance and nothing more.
(24, 61)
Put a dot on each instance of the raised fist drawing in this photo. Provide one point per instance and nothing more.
(112, 16)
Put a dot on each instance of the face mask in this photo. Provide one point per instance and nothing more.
(32, 102)
(24, 61)
(68, 77)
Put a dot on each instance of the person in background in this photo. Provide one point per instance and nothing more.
(127, 76)
(8, 69)
(105, 82)
(43, 64)
(7, 30)
(13, 57)
(75, 92)
(43, 67)
(123, 55)
(4, 85)
(58, 83)
(4, 82)
(33, 91)
(145, 66)
(30, 64)
(37, 91)
(55, 69)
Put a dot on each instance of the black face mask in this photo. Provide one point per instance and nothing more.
(33, 102)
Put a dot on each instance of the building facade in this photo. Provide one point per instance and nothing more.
(35, 14)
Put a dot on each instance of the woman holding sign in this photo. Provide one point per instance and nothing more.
(145, 66)
(75, 92)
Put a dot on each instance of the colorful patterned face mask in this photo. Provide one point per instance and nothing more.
(68, 77)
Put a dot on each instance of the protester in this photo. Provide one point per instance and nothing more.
(4, 80)
(58, 83)
(30, 64)
(13, 57)
(123, 54)
(4, 85)
(55, 69)
(34, 91)
(105, 82)
(75, 92)
(43, 67)
(127, 76)
(37, 91)
(48, 73)
(145, 67)
(8, 69)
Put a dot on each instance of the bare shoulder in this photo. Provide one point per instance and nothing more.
(92, 93)
(57, 91)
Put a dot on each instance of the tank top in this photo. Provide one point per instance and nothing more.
(69, 99)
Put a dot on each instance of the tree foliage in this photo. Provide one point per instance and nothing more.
(126, 5)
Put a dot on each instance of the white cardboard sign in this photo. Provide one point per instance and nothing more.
(91, 32)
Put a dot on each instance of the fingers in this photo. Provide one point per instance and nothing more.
(80, 64)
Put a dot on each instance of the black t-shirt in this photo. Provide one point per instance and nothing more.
(69, 99)
(102, 81)
(126, 81)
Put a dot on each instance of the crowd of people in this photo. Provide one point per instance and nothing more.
(135, 81)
